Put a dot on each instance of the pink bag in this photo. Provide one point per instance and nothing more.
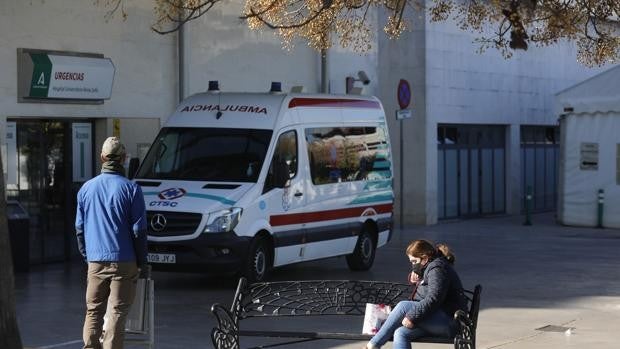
(374, 317)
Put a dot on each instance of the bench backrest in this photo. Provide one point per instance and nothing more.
(325, 297)
(320, 297)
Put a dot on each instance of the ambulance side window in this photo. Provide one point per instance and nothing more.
(284, 161)
(348, 154)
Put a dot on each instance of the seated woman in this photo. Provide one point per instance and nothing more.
(437, 294)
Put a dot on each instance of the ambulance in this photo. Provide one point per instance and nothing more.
(245, 182)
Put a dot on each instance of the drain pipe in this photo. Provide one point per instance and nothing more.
(324, 81)
(181, 60)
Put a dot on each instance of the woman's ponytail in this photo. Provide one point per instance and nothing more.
(443, 249)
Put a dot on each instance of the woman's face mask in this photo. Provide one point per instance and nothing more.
(417, 265)
(418, 268)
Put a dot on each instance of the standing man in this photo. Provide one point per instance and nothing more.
(111, 232)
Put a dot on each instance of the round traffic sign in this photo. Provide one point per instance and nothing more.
(403, 94)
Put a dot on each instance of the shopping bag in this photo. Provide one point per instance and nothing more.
(374, 317)
(136, 320)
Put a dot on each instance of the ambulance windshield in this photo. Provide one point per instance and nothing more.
(206, 154)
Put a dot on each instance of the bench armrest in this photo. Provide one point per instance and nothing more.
(466, 333)
(462, 318)
(226, 334)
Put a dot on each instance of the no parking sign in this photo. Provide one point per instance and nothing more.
(403, 93)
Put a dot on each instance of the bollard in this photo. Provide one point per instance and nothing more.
(601, 199)
(528, 206)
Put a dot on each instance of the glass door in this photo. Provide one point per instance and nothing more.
(44, 187)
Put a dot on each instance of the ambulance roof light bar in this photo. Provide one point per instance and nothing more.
(276, 87)
(214, 86)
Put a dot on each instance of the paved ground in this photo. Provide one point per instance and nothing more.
(532, 276)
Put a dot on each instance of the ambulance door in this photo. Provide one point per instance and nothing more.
(284, 200)
(330, 229)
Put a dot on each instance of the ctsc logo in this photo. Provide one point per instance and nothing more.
(172, 193)
(168, 194)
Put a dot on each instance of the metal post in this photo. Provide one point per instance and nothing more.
(402, 165)
(324, 82)
(181, 59)
(601, 201)
(528, 206)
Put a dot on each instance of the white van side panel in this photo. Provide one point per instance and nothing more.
(340, 209)
(383, 238)
(328, 248)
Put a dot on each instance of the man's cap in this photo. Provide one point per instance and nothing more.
(112, 147)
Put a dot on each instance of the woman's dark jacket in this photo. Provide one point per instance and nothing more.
(440, 288)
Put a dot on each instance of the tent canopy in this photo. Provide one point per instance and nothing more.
(600, 93)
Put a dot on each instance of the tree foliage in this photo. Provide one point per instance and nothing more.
(506, 25)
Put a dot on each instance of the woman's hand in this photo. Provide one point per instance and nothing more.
(413, 278)
(407, 323)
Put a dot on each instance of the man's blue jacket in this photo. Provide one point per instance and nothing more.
(111, 220)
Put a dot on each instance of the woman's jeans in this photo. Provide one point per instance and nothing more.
(437, 324)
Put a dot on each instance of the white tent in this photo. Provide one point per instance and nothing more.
(590, 150)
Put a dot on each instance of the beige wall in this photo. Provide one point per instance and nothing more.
(145, 81)
(221, 47)
(145, 78)
(134, 132)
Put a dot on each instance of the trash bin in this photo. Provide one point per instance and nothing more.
(19, 234)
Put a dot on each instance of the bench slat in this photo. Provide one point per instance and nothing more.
(332, 335)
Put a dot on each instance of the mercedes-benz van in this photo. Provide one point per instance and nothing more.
(244, 182)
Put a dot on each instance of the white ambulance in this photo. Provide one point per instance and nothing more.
(244, 182)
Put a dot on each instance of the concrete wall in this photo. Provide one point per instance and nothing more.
(405, 59)
(145, 79)
(221, 47)
(465, 87)
(134, 132)
(452, 83)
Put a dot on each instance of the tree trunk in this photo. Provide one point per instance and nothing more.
(9, 332)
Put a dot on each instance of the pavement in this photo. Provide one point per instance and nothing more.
(532, 277)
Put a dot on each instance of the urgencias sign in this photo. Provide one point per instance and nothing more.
(44, 76)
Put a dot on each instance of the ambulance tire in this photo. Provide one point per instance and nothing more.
(258, 264)
(364, 254)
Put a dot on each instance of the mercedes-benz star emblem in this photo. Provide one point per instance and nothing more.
(158, 222)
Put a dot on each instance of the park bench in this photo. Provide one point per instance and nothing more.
(318, 298)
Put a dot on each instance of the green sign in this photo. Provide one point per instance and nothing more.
(40, 75)
(52, 76)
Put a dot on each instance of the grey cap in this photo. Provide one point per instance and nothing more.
(112, 148)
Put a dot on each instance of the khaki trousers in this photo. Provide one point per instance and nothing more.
(114, 283)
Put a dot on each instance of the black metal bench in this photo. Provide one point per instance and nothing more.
(323, 297)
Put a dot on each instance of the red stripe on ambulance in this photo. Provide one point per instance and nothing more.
(333, 102)
(299, 218)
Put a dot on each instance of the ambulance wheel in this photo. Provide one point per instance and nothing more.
(364, 254)
(258, 264)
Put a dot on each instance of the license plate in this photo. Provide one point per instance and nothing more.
(161, 258)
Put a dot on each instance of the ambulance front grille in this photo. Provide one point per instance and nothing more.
(164, 223)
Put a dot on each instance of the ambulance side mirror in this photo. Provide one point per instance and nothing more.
(134, 163)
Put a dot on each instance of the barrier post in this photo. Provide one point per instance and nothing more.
(528, 206)
(601, 202)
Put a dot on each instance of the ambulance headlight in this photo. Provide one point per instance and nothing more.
(223, 221)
